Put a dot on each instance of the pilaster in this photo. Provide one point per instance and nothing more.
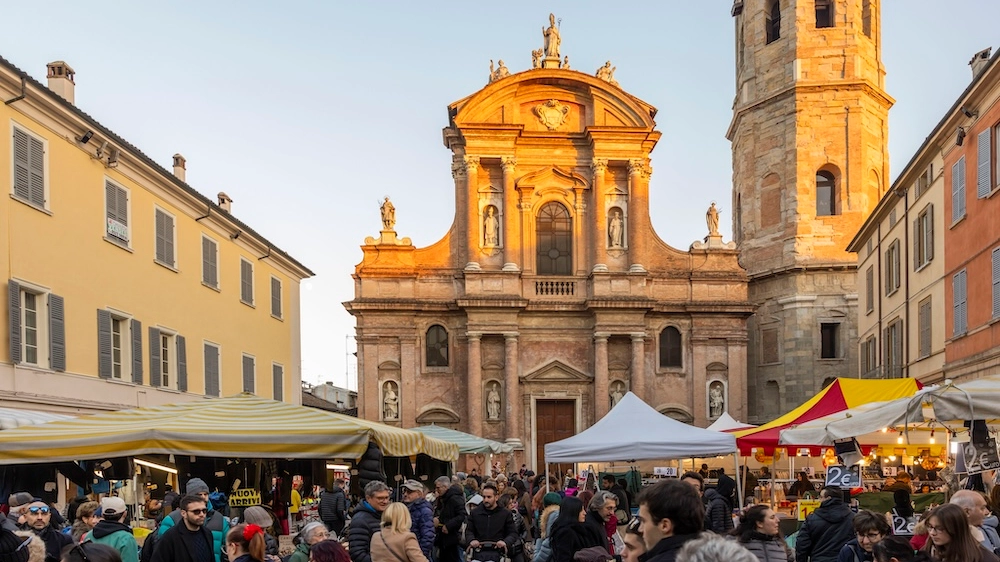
(599, 167)
(471, 164)
(638, 203)
(474, 385)
(513, 389)
(602, 399)
(638, 367)
(511, 229)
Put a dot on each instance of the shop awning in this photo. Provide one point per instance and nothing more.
(838, 396)
(11, 418)
(467, 443)
(239, 426)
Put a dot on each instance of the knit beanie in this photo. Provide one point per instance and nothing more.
(196, 486)
(551, 498)
(9, 543)
(257, 515)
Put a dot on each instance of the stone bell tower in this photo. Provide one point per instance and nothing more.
(810, 162)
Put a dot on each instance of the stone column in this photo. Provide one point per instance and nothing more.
(602, 399)
(599, 253)
(638, 203)
(638, 374)
(512, 387)
(511, 235)
(474, 385)
(580, 254)
(473, 227)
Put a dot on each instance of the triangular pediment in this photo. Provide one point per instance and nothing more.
(556, 371)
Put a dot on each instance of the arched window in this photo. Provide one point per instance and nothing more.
(772, 21)
(437, 346)
(554, 239)
(826, 194)
(670, 347)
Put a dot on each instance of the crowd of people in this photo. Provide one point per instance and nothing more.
(517, 518)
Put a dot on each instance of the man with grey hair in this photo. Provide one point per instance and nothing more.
(600, 510)
(714, 548)
(367, 520)
(449, 515)
(976, 509)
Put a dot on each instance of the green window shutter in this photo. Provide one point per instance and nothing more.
(14, 294)
(983, 153)
(211, 370)
(154, 358)
(136, 329)
(22, 169)
(278, 382)
(276, 297)
(248, 374)
(36, 165)
(182, 370)
(103, 344)
(57, 333)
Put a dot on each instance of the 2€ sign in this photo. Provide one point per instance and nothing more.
(843, 476)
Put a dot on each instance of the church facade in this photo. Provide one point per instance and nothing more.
(551, 296)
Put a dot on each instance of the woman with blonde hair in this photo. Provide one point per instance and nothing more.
(394, 542)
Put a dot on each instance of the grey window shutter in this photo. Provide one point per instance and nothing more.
(136, 329)
(160, 252)
(103, 344)
(111, 200)
(154, 358)
(916, 243)
(983, 152)
(961, 184)
(22, 169)
(14, 293)
(211, 370)
(929, 234)
(246, 281)
(276, 297)
(996, 283)
(182, 369)
(36, 162)
(209, 265)
(164, 238)
(57, 333)
(168, 232)
(278, 381)
(248, 374)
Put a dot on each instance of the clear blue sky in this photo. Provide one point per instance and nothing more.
(307, 112)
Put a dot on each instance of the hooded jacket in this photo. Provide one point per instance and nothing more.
(718, 517)
(825, 532)
(365, 523)
(116, 535)
(214, 522)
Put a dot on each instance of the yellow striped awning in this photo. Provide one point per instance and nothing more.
(238, 426)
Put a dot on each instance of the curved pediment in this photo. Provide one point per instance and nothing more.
(547, 100)
(556, 371)
(437, 412)
(553, 176)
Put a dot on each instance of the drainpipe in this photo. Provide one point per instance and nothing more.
(20, 97)
(906, 282)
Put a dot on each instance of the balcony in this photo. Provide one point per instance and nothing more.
(555, 288)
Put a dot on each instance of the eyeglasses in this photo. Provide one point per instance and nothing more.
(935, 529)
(873, 536)
(36, 510)
(83, 553)
(197, 511)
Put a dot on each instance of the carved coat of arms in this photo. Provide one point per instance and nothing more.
(552, 114)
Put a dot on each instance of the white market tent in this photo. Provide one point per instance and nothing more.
(728, 423)
(633, 430)
(467, 443)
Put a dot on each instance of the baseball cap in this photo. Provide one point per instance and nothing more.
(413, 486)
(476, 499)
(19, 498)
(112, 506)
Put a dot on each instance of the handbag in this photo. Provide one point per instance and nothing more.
(592, 554)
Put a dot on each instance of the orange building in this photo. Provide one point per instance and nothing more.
(972, 235)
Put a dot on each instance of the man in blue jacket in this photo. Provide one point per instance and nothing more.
(422, 515)
(214, 521)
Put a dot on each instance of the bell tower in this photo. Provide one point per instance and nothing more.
(810, 162)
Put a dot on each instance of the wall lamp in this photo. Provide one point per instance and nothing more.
(86, 137)
(961, 136)
(970, 113)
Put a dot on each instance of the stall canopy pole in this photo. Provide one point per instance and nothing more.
(774, 478)
(740, 482)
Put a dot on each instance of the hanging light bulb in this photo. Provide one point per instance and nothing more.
(899, 440)
(932, 437)
(885, 429)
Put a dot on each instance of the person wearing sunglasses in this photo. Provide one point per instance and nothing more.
(37, 519)
(214, 521)
(189, 540)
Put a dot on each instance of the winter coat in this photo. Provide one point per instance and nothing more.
(422, 516)
(365, 523)
(388, 546)
(825, 532)
(768, 549)
(214, 522)
(567, 540)
(667, 549)
(623, 504)
(852, 552)
(333, 506)
(718, 515)
(172, 546)
(118, 536)
(597, 526)
(490, 525)
(543, 546)
(451, 517)
(54, 542)
(301, 553)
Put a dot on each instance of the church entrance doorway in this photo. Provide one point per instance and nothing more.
(554, 420)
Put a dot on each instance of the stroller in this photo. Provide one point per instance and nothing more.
(486, 552)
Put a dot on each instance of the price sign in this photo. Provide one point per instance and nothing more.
(806, 507)
(665, 470)
(843, 476)
(980, 457)
(889, 470)
(244, 497)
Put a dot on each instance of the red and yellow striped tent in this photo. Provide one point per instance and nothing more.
(840, 395)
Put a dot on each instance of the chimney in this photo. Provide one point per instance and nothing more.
(225, 202)
(978, 62)
(180, 167)
(61, 79)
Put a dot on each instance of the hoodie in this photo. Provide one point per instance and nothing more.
(825, 532)
(118, 536)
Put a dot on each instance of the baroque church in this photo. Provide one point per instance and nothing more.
(810, 162)
(551, 295)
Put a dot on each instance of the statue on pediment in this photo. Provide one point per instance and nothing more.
(552, 39)
(388, 214)
(607, 73)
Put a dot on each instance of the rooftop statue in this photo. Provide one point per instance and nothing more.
(552, 39)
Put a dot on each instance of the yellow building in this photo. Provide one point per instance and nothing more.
(126, 287)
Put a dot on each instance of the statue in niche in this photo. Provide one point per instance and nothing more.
(536, 58)
(388, 214)
(607, 73)
(712, 218)
(552, 40)
(390, 402)
(617, 392)
(493, 402)
(616, 229)
(491, 227)
(716, 401)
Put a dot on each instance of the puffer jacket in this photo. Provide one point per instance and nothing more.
(422, 516)
(333, 506)
(768, 549)
(825, 532)
(718, 517)
(365, 523)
